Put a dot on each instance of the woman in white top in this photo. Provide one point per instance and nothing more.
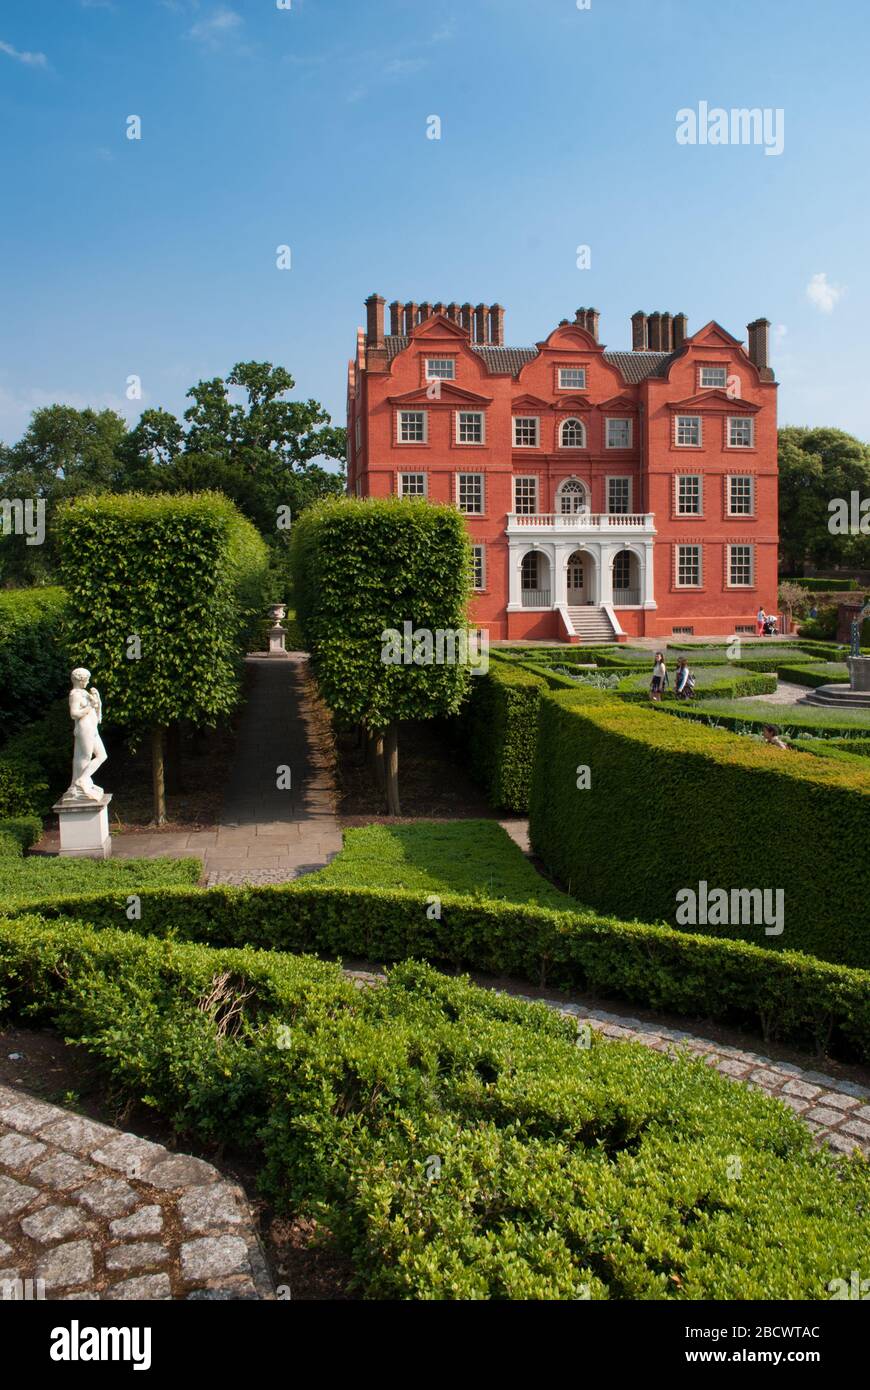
(659, 677)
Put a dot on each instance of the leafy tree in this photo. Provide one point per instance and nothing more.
(816, 466)
(163, 594)
(362, 571)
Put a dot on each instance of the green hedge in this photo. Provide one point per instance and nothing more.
(36, 764)
(33, 668)
(18, 835)
(499, 727)
(824, 586)
(674, 804)
(458, 1144)
(820, 673)
(789, 719)
(781, 994)
(187, 575)
(709, 684)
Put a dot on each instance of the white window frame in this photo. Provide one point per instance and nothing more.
(358, 433)
(682, 477)
(408, 473)
(400, 417)
(572, 386)
(750, 583)
(734, 478)
(680, 444)
(731, 420)
(572, 420)
(535, 481)
(482, 477)
(479, 552)
(689, 545)
(619, 478)
(525, 419)
(618, 420)
(441, 376)
(713, 385)
(470, 443)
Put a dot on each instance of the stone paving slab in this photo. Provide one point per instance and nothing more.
(89, 1212)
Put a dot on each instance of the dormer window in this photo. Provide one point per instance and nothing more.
(716, 377)
(572, 378)
(440, 369)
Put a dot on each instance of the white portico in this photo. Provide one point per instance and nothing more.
(568, 560)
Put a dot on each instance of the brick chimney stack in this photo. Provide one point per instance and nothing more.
(453, 312)
(654, 330)
(375, 320)
(638, 331)
(667, 338)
(593, 318)
(481, 326)
(425, 311)
(438, 308)
(681, 330)
(467, 318)
(410, 316)
(496, 324)
(759, 343)
(396, 318)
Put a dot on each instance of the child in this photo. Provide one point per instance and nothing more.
(659, 677)
(772, 737)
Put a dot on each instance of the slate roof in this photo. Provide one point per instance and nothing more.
(634, 366)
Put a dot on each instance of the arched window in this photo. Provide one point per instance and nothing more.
(572, 496)
(531, 570)
(572, 434)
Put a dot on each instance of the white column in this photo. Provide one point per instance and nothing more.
(649, 598)
(560, 590)
(605, 575)
(515, 550)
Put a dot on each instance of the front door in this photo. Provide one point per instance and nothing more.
(576, 587)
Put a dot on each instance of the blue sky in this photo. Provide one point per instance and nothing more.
(306, 127)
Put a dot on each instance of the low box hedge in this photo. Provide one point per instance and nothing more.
(711, 683)
(458, 1145)
(825, 586)
(674, 804)
(819, 673)
(782, 994)
(17, 836)
(790, 720)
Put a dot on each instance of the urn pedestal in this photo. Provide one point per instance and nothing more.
(84, 828)
(859, 672)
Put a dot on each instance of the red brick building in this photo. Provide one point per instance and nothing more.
(606, 493)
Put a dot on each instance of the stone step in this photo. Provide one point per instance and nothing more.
(837, 696)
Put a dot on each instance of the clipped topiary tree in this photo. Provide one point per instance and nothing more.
(163, 594)
(382, 588)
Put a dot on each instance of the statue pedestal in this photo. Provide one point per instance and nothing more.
(277, 637)
(84, 828)
(859, 672)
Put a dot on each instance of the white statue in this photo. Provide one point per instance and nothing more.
(86, 712)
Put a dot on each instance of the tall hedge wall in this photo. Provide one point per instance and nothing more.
(674, 803)
(187, 575)
(33, 667)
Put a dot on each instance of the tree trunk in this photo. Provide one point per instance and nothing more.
(391, 758)
(378, 755)
(157, 777)
(174, 780)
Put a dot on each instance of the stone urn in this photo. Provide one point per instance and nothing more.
(277, 612)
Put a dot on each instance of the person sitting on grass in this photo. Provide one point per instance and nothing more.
(684, 681)
(771, 736)
(659, 677)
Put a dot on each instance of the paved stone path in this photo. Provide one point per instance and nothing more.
(268, 833)
(88, 1212)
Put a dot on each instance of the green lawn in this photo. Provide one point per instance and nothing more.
(468, 856)
(27, 880)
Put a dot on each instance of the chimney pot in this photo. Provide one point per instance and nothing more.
(375, 320)
(639, 331)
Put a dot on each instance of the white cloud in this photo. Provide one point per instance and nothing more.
(32, 60)
(402, 67)
(823, 294)
(217, 26)
(779, 333)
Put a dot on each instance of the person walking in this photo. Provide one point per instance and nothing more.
(684, 681)
(659, 677)
(759, 623)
